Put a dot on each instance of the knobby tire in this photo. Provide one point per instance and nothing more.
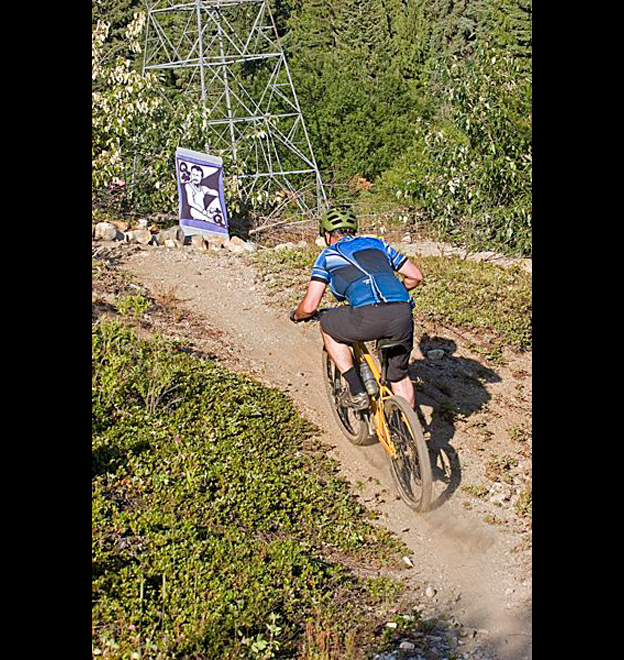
(353, 425)
(411, 469)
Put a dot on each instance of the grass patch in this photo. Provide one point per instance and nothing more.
(524, 506)
(134, 306)
(500, 468)
(494, 302)
(522, 433)
(477, 296)
(479, 492)
(214, 510)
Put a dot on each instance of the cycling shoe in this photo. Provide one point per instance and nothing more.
(358, 401)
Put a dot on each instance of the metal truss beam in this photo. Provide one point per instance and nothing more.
(248, 98)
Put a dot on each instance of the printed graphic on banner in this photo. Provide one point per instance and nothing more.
(200, 188)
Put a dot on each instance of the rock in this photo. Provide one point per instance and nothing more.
(171, 234)
(406, 239)
(320, 241)
(142, 224)
(217, 241)
(234, 247)
(121, 225)
(430, 592)
(436, 354)
(170, 243)
(499, 499)
(500, 492)
(198, 241)
(106, 231)
(143, 236)
(408, 561)
(238, 245)
(285, 246)
(174, 233)
(407, 646)
(409, 250)
(302, 244)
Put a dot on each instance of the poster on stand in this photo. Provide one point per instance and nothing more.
(200, 190)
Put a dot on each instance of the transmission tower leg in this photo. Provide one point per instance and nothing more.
(228, 100)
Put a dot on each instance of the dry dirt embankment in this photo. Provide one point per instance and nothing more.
(473, 548)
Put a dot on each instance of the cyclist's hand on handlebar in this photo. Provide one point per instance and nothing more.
(294, 319)
(313, 317)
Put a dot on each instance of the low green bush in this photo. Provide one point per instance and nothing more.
(214, 510)
(132, 305)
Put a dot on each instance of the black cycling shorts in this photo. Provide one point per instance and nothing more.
(385, 321)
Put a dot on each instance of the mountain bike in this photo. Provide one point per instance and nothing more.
(390, 419)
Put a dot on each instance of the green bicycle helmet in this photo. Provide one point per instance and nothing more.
(337, 218)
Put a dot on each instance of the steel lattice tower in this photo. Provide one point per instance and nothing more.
(227, 52)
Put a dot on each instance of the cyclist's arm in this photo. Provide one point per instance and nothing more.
(310, 302)
(412, 276)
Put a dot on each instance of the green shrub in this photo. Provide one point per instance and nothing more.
(212, 509)
(132, 305)
(468, 173)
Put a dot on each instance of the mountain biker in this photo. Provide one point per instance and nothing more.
(361, 271)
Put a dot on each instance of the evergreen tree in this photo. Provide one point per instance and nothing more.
(510, 23)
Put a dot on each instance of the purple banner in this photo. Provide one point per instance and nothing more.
(200, 189)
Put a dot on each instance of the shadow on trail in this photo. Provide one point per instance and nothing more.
(453, 387)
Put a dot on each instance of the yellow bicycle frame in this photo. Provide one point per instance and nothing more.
(383, 432)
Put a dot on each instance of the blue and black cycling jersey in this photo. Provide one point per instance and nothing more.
(361, 271)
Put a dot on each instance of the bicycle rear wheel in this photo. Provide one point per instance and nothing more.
(411, 468)
(353, 425)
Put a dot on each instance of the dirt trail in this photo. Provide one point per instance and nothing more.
(480, 575)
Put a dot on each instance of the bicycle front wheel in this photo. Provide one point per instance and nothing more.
(352, 424)
(411, 468)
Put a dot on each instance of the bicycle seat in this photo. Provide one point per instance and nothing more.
(383, 344)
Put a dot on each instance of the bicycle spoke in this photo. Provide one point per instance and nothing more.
(344, 412)
(406, 463)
